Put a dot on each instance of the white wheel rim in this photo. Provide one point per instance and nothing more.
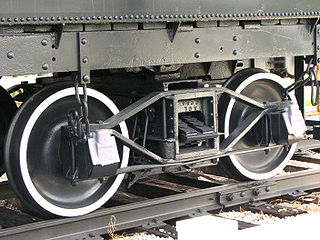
(235, 162)
(66, 212)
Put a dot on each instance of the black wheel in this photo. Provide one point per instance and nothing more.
(32, 155)
(7, 110)
(264, 87)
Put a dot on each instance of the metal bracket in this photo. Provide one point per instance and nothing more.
(248, 192)
(58, 29)
(83, 57)
(173, 30)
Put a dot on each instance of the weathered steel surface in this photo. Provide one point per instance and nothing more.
(119, 49)
(75, 11)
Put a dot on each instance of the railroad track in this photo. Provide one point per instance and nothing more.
(152, 201)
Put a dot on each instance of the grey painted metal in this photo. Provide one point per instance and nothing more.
(101, 11)
(154, 211)
(120, 49)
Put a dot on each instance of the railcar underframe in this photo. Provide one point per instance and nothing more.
(193, 90)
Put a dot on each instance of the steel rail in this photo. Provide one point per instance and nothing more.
(155, 211)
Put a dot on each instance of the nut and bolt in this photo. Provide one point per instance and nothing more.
(10, 55)
(45, 66)
(230, 197)
(256, 192)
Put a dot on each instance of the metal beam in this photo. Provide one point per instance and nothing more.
(121, 49)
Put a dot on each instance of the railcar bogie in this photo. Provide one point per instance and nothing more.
(139, 94)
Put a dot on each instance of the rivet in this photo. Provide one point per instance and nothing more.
(242, 194)
(105, 17)
(137, 16)
(121, 17)
(126, 17)
(171, 16)
(22, 19)
(28, 19)
(9, 20)
(86, 78)
(190, 16)
(58, 18)
(76, 18)
(16, 19)
(71, 18)
(197, 55)
(110, 17)
(318, 60)
(99, 17)
(318, 47)
(44, 42)
(185, 16)
(195, 15)
(41, 18)
(213, 15)
(180, 16)
(268, 189)
(84, 41)
(156, 17)
(53, 18)
(45, 66)
(85, 60)
(82, 17)
(197, 40)
(88, 18)
(146, 16)
(141, 16)
(3, 19)
(318, 31)
(235, 38)
(115, 17)
(131, 16)
(47, 18)
(93, 17)
(235, 52)
(65, 18)
(161, 16)
(10, 55)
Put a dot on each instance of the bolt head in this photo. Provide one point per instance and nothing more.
(85, 60)
(84, 41)
(44, 42)
(86, 78)
(10, 55)
(45, 66)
